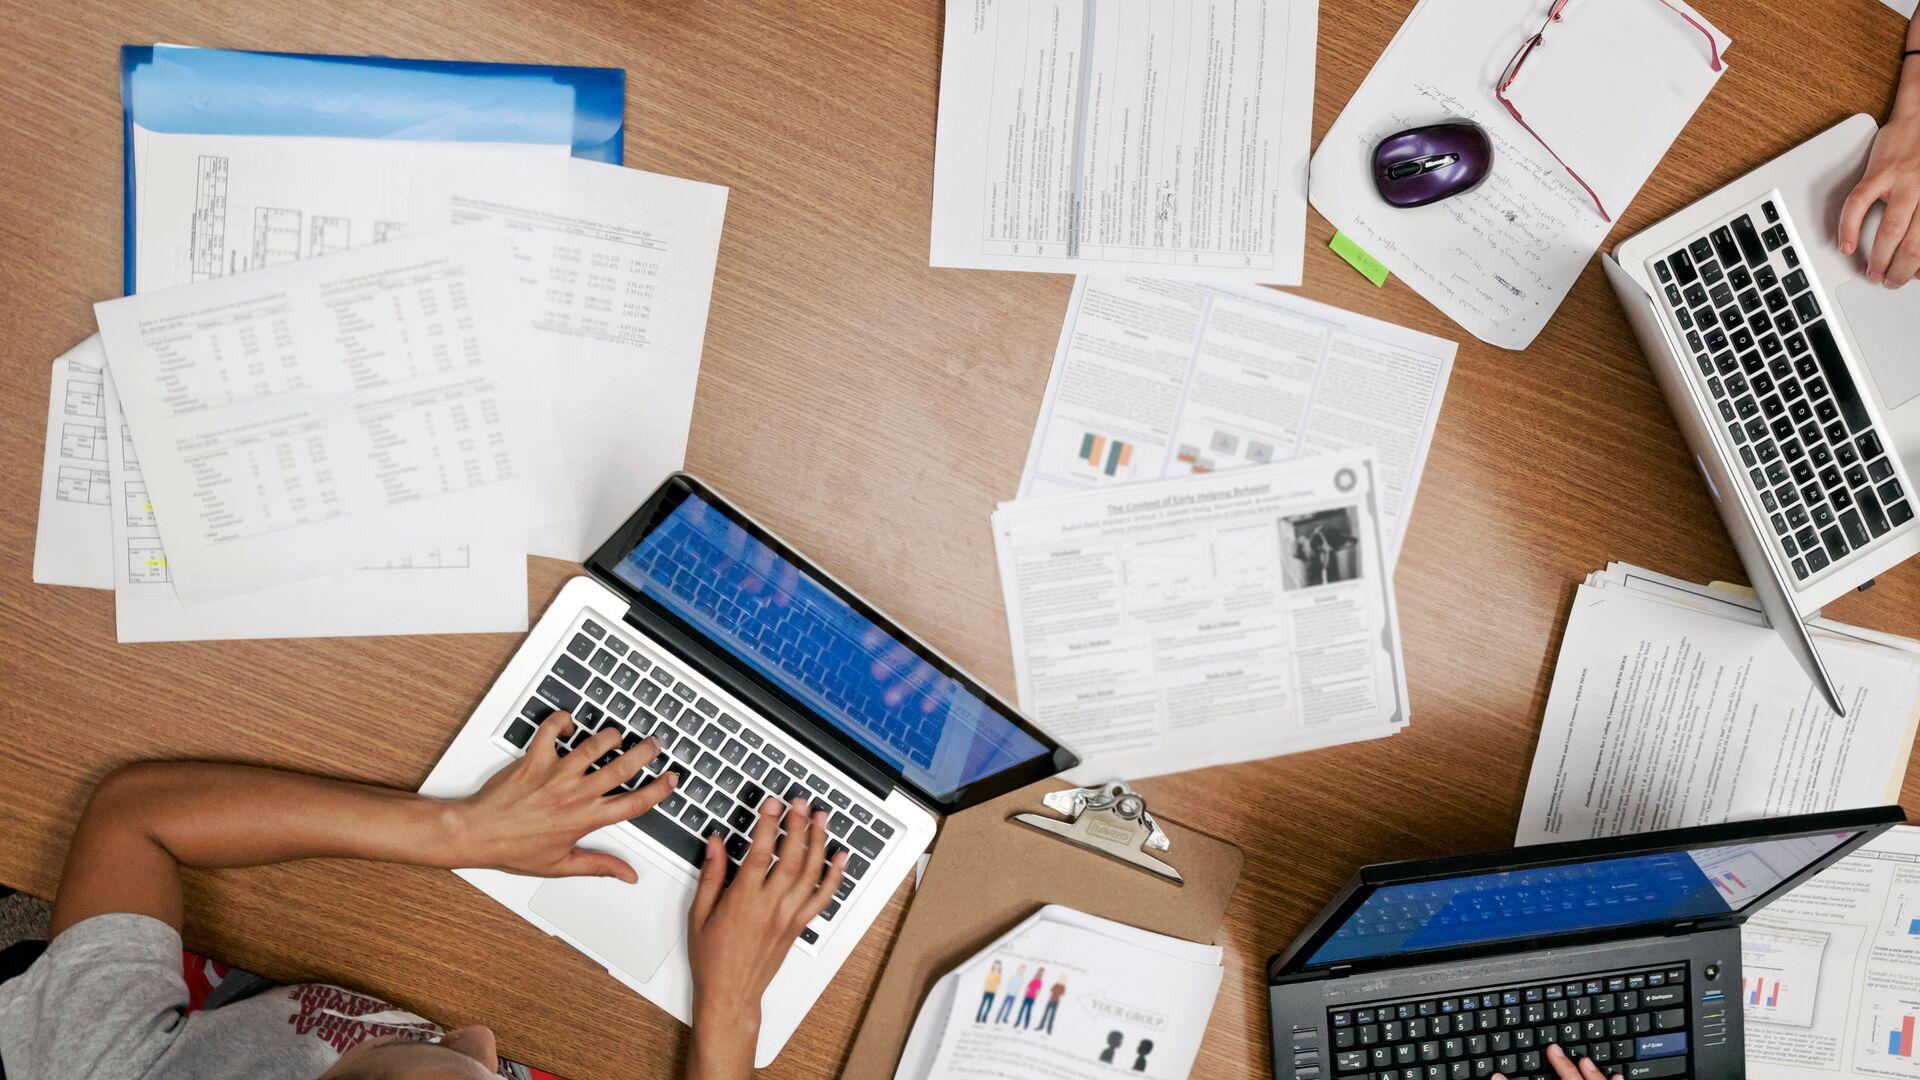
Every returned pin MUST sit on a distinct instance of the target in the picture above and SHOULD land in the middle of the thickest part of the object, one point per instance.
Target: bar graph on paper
(1780, 973)
(1887, 1044)
(1104, 457)
(1902, 926)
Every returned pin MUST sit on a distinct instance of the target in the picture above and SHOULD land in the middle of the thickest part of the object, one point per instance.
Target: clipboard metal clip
(1112, 820)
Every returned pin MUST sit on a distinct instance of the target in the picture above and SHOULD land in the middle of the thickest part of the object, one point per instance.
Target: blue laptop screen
(738, 592)
(1544, 901)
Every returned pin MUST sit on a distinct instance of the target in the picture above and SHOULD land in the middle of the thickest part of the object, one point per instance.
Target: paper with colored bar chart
(1153, 379)
(1205, 619)
(1831, 971)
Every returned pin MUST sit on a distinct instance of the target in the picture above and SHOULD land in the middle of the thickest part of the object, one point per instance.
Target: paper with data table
(1154, 379)
(1499, 259)
(615, 268)
(1831, 971)
(301, 420)
(1160, 137)
(1207, 619)
(1674, 705)
(448, 590)
(71, 541)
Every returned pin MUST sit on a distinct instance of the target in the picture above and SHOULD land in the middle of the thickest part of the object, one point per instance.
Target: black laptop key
(1899, 512)
(536, 710)
(1889, 491)
(1683, 268)
(729, 781)
(796, 790)
(885, 830)
(1710, 272)
(647, 692)
(604, 662)
(695, 818)
(581, 646)
(562, 697)
(1701, 250)
(797, 770)
(857, 865)
(519, 732)
(720, 804)
(734, 752)
(1774, 237)
(818, 783)
(1806, 307)
(669, 707)
(625, 677)
(742, 819)
(755, 766)
(594, 630)
(712, 736)
(708, 765)
(621, 706)
(699, 789)
(599, 691)
(737, 848)
(571, 671)
(1869, 444)
(1844, 392)
(1695, 294)
(839, 823)
(1729, 253)
(1748, 238)
(660, 826)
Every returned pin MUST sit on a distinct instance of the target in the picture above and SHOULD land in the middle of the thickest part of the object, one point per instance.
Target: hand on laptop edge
(738, 935)
(1564, 1068)
(1893, 177)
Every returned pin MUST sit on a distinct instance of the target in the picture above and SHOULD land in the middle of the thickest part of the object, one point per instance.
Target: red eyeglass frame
(1535, 41)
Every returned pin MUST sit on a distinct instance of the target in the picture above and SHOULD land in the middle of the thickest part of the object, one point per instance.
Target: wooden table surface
(873, 411)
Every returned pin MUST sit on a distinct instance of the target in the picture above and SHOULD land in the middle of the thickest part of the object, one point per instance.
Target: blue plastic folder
(220, 92)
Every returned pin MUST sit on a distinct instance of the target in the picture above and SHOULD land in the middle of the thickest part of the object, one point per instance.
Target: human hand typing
(738, 935)
(528, 817)
(1564, 1068)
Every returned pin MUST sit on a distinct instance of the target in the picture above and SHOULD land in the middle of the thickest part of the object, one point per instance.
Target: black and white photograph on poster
(1321, 548)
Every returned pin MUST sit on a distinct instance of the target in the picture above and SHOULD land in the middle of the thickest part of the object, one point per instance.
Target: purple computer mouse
(1426, 164)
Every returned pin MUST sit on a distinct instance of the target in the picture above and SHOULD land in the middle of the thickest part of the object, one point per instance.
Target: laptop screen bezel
(1294, 960)
(719, 663)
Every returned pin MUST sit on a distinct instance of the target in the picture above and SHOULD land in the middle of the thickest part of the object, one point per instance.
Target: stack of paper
(1674, 704)
(1499, 259)
(1067, 996)
(367, 371)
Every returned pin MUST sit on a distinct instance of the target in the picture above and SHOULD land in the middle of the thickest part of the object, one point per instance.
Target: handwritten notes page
(1499, 259)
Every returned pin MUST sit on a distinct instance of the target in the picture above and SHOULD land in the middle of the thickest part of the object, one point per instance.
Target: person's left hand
(528, 817)
(1893, 177)
(1564, 1068)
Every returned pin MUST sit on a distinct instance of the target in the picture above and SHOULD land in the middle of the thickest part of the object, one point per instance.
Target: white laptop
(1796, 383)
(761, 675)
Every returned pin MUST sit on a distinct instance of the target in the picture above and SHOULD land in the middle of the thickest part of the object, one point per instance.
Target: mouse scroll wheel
(1416, 166)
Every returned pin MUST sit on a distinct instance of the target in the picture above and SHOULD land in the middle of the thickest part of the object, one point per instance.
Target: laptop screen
(1600, 894)
(771, 615)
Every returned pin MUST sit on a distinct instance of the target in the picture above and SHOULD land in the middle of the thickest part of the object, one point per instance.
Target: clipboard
(988, 872)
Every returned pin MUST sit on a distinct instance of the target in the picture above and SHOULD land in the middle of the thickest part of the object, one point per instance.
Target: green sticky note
(1368, 266)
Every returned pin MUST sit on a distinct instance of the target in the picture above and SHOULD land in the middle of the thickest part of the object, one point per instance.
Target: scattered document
(1202, 620)
(455, 589)
(1162, 138)
(301, 420)
(1499, 259)
(71, 543)
(616, 266)
(1675, 705)
(1067, 996)
(1153, 379)
(1904, 7)
(1832, 969)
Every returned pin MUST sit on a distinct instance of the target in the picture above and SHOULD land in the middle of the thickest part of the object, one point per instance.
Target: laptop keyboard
(1633, 1024)
(1759, 338)
(727, 763)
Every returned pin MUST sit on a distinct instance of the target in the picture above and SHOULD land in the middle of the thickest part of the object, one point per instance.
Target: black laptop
(1625, 950)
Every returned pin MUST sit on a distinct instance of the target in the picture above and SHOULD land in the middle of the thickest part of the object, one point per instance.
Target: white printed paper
(1154, 379)
(1153, 137)
(616, 267)
(1071, 996)
(300, 420)
(1662, 715)
(1499, 259)
(1839, 960)
(455, 589)
(1203, 620)
(210, 206)
(71, 541)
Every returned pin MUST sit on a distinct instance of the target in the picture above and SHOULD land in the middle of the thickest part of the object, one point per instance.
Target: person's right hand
(1893, 177)
(738, 937)
(528, 817)
(1564, 1068)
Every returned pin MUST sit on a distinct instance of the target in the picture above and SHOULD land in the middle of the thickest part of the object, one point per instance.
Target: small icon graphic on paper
(1345, 479)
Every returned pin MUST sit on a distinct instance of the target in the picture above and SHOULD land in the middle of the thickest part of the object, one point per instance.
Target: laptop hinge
(862, 771)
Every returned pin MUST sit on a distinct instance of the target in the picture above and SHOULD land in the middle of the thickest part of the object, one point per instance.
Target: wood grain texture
(873, 411)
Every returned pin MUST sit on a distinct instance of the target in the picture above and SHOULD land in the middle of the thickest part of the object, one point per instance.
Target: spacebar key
(672, 837)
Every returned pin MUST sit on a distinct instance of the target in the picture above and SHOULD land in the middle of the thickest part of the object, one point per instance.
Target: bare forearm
(723, 1045)
(1907, 96)
(146, 821)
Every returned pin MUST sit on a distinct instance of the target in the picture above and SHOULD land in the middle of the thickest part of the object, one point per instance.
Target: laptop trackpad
(631, 927)
(1885, 321)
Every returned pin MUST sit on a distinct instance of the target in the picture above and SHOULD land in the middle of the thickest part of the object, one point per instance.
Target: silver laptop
(1796, 383)
(760, 675)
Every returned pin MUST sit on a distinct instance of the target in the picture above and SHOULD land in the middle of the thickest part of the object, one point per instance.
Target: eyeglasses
(1539, 39)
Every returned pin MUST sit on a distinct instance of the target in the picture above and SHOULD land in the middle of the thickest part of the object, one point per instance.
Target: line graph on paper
(1243, 552)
